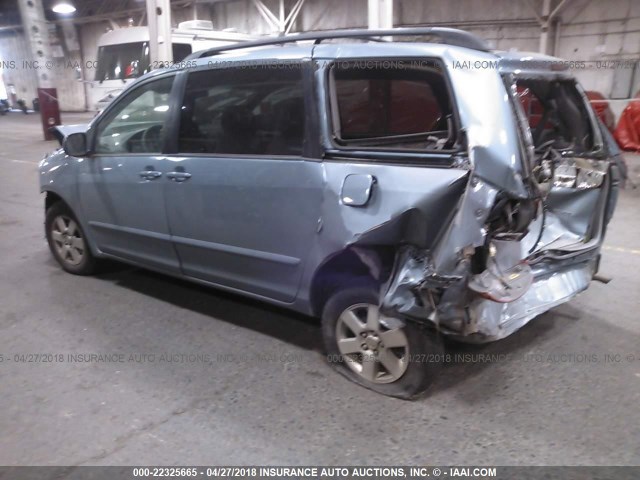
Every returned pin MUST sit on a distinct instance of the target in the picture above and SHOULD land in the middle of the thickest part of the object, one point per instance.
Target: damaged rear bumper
(418, 294)
(488, 320)
(558, 263)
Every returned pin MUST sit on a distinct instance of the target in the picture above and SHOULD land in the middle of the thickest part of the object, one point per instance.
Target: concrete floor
(274, 400)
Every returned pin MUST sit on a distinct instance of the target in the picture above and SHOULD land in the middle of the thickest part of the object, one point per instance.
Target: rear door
(243, 201)
(391, 146)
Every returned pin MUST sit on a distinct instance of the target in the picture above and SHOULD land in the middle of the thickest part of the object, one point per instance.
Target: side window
(180, 50)
(136, 123)
(398, 106)
(251, 111)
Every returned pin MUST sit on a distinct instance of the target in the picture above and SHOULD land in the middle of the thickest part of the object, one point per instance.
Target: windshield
(123, 61)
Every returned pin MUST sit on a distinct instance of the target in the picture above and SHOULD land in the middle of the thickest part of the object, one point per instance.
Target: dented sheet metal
(478, 285)
(489, 320)
(500, 232)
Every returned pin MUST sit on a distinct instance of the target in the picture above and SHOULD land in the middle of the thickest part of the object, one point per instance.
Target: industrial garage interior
(217, 352)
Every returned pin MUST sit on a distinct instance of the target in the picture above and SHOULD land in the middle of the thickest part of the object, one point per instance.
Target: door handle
(179, 176)
(150, 174)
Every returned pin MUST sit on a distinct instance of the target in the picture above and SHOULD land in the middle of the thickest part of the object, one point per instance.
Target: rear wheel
(67, 241)
(385, 354)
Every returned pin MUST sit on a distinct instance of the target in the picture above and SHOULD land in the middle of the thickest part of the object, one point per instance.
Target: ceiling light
(63, 7)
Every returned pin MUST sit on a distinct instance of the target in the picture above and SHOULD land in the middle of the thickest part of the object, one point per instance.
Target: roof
(452, 45)
(339, 51)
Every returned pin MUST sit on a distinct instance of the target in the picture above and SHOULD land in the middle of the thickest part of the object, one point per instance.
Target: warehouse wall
(603, 31)
(588, 30)
(505, 24)
(71, 92)
(330, 14)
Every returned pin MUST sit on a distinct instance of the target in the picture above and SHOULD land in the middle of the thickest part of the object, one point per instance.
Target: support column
(380, 14)
(37, 32)
(544, 27)
(159, 21)
(546, 21)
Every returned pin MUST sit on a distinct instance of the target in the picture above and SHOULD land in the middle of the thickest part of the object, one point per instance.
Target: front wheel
(385, 354)
(67, 241)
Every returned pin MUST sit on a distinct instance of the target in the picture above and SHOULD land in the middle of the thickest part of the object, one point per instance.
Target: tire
(67, 241)
(404, 368)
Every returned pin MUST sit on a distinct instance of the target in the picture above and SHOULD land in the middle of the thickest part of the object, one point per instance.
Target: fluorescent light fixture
(63, 7)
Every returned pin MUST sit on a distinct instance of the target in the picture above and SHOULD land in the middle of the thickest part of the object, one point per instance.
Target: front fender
(57, 176)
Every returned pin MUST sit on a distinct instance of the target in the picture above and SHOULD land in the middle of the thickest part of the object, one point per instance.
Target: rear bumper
(458, 285)
(488, 320)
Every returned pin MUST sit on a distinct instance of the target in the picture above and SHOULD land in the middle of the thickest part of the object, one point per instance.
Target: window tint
(135, 124)
(253, 111)
(402, 107)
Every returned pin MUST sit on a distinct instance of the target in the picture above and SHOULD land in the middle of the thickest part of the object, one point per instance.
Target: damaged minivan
(403, 185)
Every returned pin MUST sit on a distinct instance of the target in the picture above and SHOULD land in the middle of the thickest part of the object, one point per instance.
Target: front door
(121, 183)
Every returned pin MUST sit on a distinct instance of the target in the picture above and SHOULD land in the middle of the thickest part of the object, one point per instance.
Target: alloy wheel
(372, 345)
(67, 240)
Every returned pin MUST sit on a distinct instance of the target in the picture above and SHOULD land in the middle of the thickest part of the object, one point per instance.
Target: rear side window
(395, 106)
(246, 111)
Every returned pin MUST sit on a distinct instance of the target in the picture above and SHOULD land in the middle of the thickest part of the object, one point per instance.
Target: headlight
(579, 173)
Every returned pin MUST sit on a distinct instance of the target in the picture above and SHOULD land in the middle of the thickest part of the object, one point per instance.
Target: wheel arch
(352, 266)
(52, 197)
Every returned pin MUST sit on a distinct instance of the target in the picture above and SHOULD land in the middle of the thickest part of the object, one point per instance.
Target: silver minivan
(402, 191)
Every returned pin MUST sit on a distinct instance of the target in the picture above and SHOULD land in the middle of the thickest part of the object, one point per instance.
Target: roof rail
(450, 36)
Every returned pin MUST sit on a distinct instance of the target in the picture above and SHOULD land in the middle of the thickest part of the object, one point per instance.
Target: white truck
(123, 55)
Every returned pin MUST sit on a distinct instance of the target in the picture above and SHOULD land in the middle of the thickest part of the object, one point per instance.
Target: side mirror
(75, 144)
